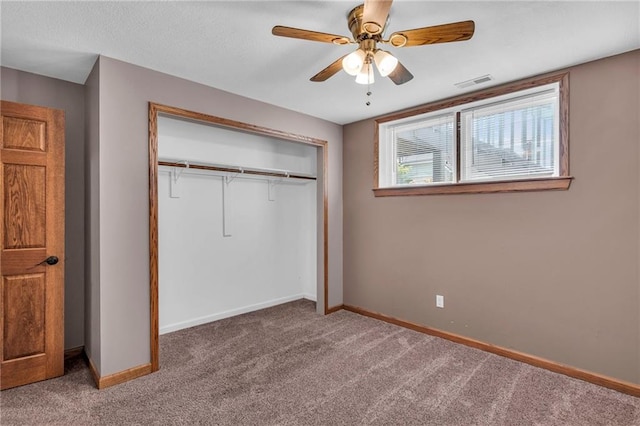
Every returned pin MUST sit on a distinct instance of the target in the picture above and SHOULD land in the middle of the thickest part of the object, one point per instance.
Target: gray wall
(124, 93)
(552, 274)
(27, 88)
(92, 217)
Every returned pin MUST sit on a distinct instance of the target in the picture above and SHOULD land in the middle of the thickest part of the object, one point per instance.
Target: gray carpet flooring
(288, 366)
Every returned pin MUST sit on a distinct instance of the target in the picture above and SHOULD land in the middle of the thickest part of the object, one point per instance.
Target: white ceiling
(228, 45)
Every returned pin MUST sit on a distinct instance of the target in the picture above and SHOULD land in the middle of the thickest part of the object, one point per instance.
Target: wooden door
(32, 244)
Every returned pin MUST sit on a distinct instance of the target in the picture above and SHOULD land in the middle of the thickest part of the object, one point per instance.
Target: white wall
(270, 257)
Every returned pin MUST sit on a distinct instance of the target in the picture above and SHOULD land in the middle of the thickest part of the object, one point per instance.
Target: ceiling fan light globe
(352, 63)
(385, 62)
(365, 76)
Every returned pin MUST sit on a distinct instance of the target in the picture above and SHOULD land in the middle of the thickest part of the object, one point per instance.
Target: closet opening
(237, 219)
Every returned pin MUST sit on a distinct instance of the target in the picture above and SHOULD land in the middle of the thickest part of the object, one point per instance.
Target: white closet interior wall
(271, 255)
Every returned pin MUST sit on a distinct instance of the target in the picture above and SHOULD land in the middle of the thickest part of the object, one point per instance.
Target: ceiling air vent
(474, 81)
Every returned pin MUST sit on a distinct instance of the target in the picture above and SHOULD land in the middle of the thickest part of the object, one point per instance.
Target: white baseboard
(309, 296)
(233, 312)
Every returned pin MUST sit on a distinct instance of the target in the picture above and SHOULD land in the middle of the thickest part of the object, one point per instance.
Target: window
(420, 151)
(507, 139)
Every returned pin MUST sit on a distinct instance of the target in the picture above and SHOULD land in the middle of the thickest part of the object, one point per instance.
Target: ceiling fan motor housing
(364, 30)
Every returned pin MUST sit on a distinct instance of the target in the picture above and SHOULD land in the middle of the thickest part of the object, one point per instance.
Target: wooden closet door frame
(154, 110)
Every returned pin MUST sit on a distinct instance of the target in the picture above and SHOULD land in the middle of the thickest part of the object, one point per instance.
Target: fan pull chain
(368, 94)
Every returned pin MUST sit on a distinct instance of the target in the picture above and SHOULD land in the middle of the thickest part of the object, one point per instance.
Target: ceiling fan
(367, 23)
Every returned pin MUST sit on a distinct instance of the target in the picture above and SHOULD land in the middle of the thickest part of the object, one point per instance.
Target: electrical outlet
(439, 301)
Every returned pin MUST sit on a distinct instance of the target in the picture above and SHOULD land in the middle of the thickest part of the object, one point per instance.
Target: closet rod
(233, 170)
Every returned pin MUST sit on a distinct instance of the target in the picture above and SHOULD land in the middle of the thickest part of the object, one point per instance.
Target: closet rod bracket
(178, 171)
(272, 187)
(229, 178)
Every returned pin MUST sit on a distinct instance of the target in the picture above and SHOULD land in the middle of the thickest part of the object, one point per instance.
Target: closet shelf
(233, 169)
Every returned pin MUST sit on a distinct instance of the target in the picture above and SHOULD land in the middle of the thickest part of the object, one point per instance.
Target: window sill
(547, 184)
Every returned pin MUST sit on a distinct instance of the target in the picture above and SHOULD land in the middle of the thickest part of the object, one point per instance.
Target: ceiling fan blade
(329, 71)
(281, 31)
(456, 31)
(400, 74)
(375, 12)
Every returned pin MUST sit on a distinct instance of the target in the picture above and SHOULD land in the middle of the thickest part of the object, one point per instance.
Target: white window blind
(424, 151)
(511, 139)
